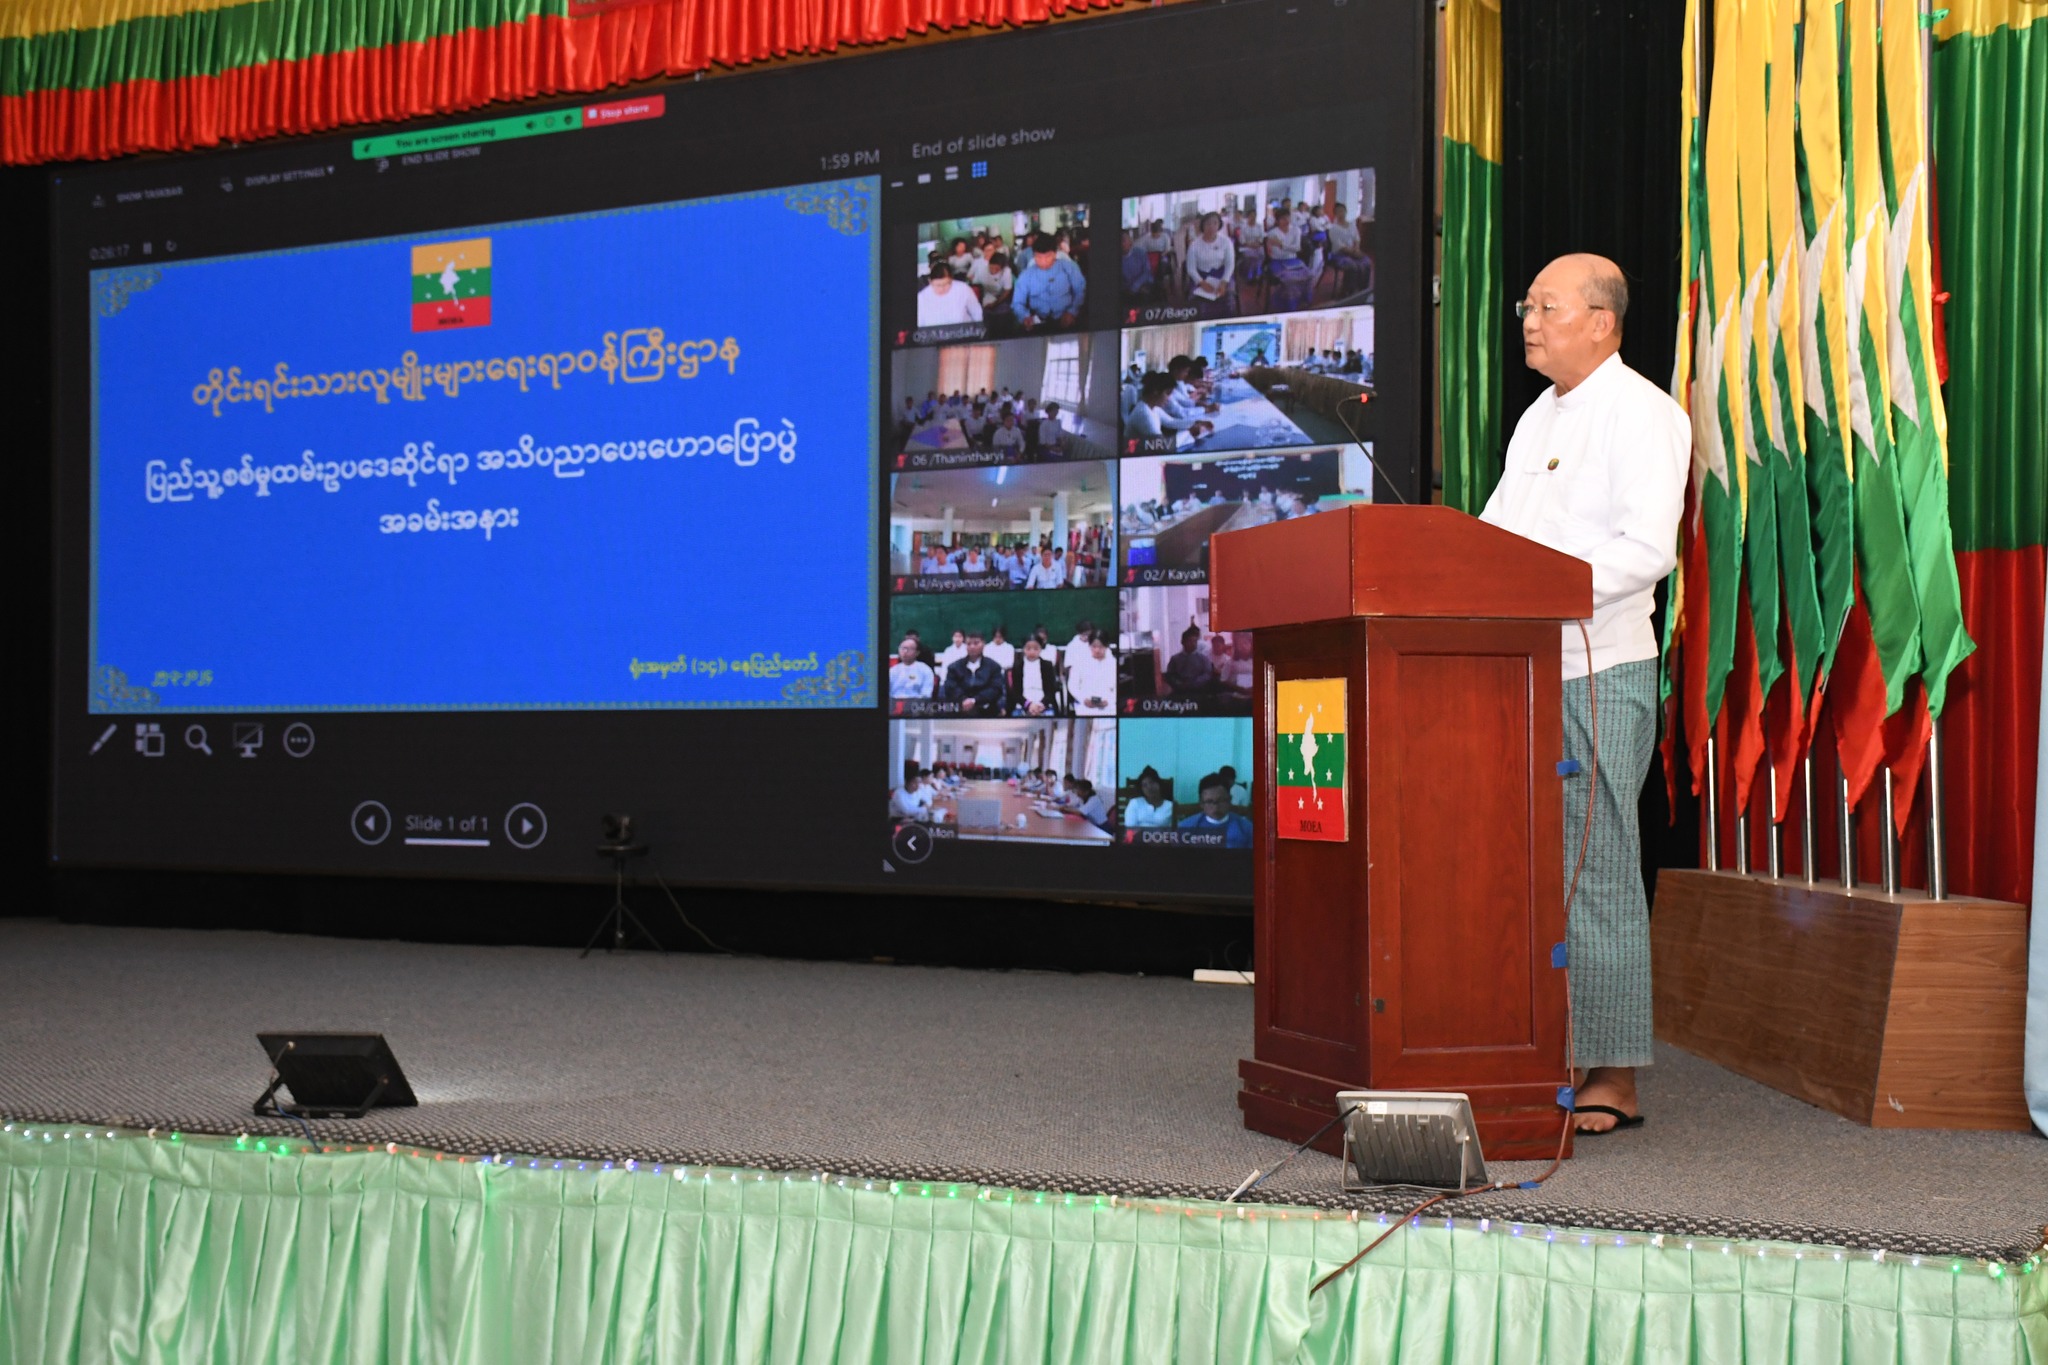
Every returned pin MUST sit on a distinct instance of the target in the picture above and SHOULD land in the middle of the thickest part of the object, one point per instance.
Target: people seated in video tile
(1046, 573)
(1007, 439)
(910, 678)
(1191, 400)
(1094, 809)
(1050, 436)
(952, 653)
(1154, 238)
(1150, 809)
(1034, 682)
(1190, 673)
(912, 800)
(976, 427)
(946, 301)
(1216, 816)
(1141, 279)
(1151, 417)
(1354, 267)
(974, 561)
(1209, 268)
(936, 560)
(1077, 646)
(992, 276)
(999, 647)
(974, 681)
(1091, 679)
(1051, 291)
(1232, 660)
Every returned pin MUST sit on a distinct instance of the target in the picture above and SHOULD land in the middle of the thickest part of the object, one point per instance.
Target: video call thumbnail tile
(1185, 783)
(1019, 273)
(1170, 663)
(1023, 781)
(1005, 402)
(1172, 504)
(1051, 654)
(1266, 246)
(1245, 384)
(1007, 527)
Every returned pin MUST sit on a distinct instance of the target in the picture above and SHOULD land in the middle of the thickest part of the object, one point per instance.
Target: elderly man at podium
(1597, 470)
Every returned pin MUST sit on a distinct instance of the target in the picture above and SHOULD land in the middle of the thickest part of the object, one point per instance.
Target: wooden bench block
(1895, 1011)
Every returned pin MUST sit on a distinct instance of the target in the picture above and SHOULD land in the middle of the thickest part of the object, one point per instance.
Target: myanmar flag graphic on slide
(451, 285)
(1308, 760)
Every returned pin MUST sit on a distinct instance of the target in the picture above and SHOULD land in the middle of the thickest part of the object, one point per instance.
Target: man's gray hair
(1607, 289)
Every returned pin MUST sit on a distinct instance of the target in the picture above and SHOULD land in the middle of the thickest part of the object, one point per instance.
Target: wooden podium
(1423, 952)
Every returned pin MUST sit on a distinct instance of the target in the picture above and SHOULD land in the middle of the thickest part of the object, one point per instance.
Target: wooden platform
(1892, 1010)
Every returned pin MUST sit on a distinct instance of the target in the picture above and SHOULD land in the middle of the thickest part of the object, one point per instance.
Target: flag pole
(1742, 838)
(1774, 851)
(1924, 9)
(1807, 822)
(1937, 833)
(1713, 812)
(1846, 830)
(1888, 846)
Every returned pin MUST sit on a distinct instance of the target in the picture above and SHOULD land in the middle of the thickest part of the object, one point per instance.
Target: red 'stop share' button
(624, 111)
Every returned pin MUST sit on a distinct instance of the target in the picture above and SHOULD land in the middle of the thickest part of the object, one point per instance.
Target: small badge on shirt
(1552, 464)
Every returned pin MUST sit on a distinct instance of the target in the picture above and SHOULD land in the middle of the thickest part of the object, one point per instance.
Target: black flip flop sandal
(1621, 1120)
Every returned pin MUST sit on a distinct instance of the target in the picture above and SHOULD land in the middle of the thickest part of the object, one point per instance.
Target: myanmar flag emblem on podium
(1311, 800)
(451, 285)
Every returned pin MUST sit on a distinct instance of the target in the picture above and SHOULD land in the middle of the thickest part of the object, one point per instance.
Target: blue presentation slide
(614, 460)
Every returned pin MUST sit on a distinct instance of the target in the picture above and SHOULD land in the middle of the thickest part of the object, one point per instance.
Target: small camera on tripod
(619, 845)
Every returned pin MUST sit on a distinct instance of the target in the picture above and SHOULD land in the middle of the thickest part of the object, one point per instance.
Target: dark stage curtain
(1590, 157)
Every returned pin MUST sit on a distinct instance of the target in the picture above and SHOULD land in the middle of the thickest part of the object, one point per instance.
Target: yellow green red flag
(1310, 793)
(451, 285)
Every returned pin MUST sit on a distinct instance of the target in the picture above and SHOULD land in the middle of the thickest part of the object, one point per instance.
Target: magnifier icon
(195, 738)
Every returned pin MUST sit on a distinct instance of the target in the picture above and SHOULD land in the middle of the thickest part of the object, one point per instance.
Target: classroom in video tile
(1185, 782)
(1022, 781)
(1005, 402)
(1172, 504)
(1007, 527)
(1246, 383)
(1019, 273)
(1265, 246)
(1047, 654)
(1170, 663)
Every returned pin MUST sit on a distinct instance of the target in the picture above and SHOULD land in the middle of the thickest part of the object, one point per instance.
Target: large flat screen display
(818, 465)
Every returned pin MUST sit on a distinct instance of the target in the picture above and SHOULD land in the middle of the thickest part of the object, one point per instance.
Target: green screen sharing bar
(506, 129)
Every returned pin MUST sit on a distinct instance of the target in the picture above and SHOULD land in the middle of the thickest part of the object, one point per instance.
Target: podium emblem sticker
(1311, 796)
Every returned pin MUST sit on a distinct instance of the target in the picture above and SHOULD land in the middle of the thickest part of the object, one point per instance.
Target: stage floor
(1102, 1084)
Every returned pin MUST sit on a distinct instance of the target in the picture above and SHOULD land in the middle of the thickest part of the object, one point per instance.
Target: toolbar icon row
(245, 737)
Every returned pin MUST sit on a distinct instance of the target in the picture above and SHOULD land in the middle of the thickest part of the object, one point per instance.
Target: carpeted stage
(1086, 1084)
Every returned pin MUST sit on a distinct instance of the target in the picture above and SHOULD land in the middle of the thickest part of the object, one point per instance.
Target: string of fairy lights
(990, 1194)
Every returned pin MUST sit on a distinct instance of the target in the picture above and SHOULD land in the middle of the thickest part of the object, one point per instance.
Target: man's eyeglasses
(1528, 306)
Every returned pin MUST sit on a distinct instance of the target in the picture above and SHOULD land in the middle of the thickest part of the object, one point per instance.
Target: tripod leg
(644, 932)
(619, 911)
(597, 934)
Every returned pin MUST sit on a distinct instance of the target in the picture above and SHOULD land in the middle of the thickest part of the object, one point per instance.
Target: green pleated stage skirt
(130, 1248)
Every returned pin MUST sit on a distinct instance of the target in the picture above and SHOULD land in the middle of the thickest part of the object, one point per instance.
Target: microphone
(1356, 440)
